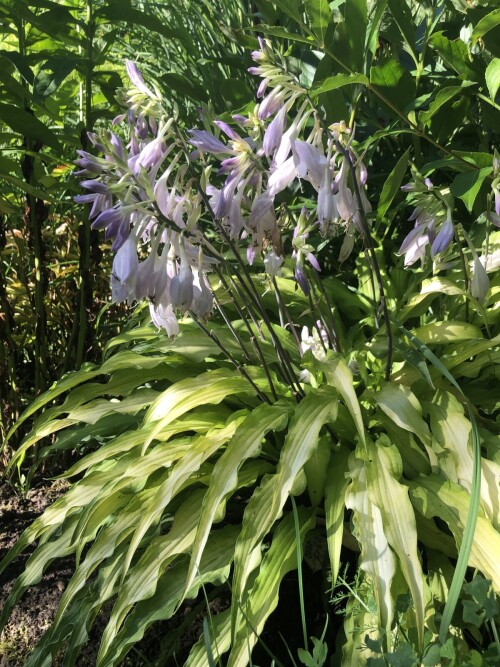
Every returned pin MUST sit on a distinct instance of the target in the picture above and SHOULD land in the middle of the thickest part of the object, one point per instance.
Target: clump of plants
(325, 369)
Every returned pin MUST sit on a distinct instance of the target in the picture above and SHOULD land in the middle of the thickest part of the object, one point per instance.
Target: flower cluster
(148, 194)
(433, 221)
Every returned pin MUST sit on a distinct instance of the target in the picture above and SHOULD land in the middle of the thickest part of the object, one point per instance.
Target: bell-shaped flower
(181, 285)
(203, 300)
(163, 317)
(272, 264)
(480, 283)
(274, 132)
(281, 177)
(444, 237)
(124, 272)
(309, 162)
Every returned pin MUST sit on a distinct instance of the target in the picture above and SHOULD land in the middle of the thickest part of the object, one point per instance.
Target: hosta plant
(319, 391)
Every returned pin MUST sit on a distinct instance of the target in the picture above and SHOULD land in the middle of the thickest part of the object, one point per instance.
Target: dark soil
(33, 614)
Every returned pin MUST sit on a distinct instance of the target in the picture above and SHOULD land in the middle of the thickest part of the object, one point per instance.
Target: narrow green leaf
(486, 24)
(246, 443)
(266, 504)
(392, 184)
(26, 124)
(319, 15)
(391, 497)
(443, 96)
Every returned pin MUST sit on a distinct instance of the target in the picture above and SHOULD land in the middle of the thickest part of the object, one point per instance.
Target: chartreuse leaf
(266, 504)
(401, 405)
(200, 422)
(384, 470)
(200, 450)
(208, 388)
(377, 558)
(246, 443)
(142, 579)
(338, 375)
(334, 507)
(451, 432)
(214, 568)
(470, 520)
(440, 333)
(262, 599)
(435, 496)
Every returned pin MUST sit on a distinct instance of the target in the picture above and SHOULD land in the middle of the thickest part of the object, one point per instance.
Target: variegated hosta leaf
(436, 496)
(402, 406)
(185, 469)
(335, 490)
(262, 599)
(214, 568)
(451, 436)
(142, 579)
(246, 443)
(338, 375)
(384, 470)
(377, 558)
(208, 388)
(266, 504)
(220, 641)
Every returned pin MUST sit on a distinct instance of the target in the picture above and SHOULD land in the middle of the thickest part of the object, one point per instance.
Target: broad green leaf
(455, 53)
(246, 443)
(492, 76)
(443, 96)
(263, 597)
(395, 82)
(350, 35)
(316, 470)
(435, 496)
(319, 15)
(486, 24)
(466, 186)
(439, 333)
(384, 470)
(335, 490)
(377, 558)
(392, 184)
(266, 504)
(439, 285)
(338, 81)
(401, 405)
